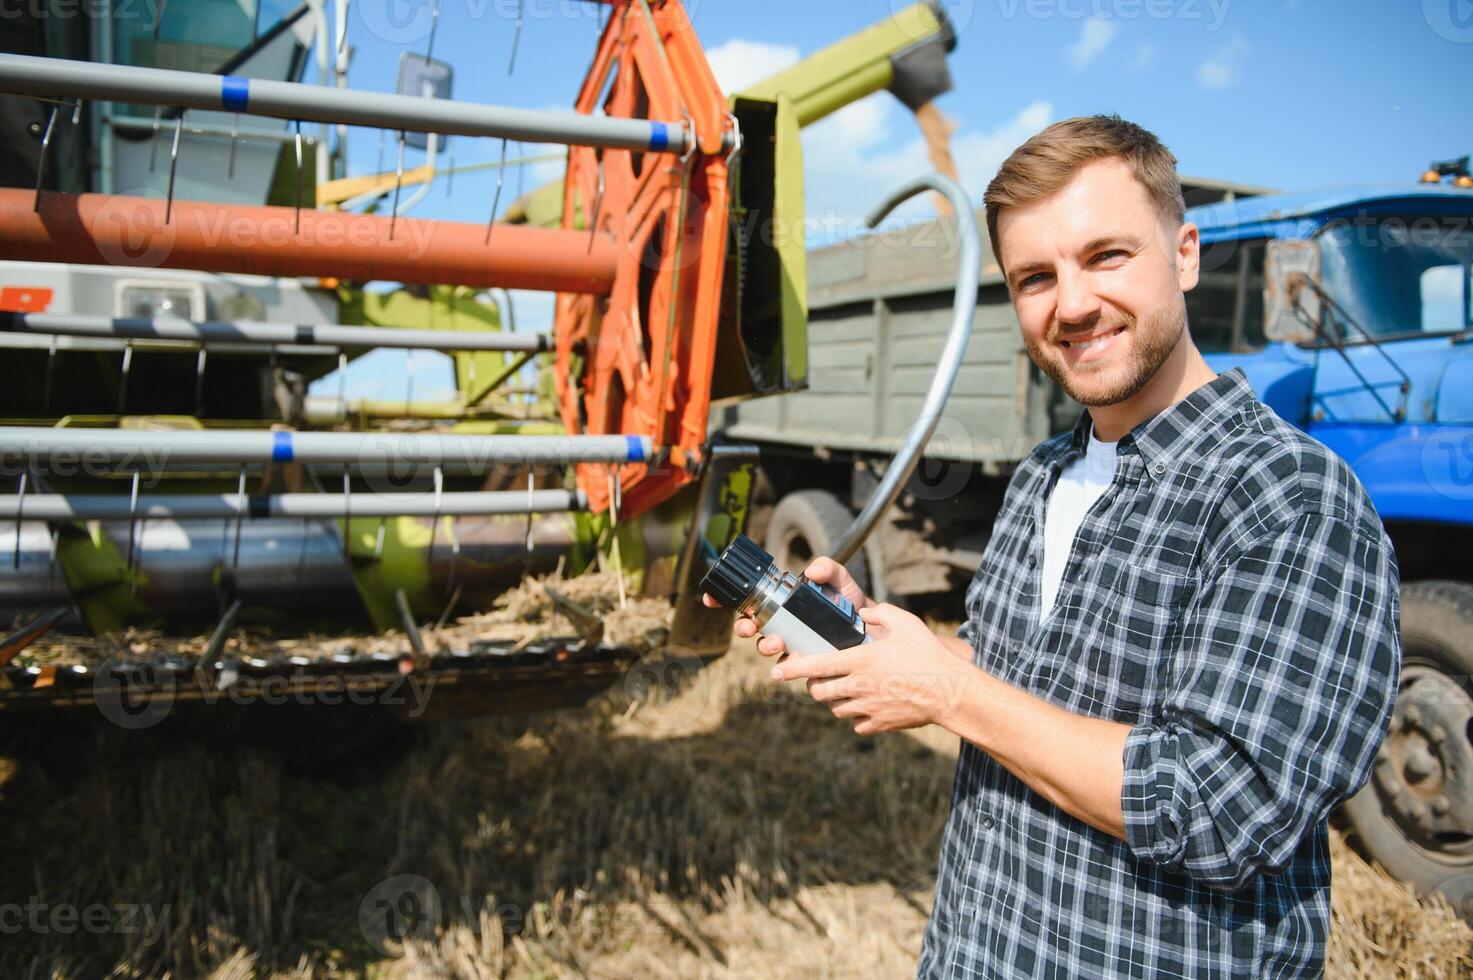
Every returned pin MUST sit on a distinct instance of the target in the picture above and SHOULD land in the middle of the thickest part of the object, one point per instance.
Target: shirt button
(1032, 560)
(988, 823)
(1159, 468)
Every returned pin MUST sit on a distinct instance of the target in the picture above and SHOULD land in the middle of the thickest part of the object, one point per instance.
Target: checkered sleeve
(1282, 684)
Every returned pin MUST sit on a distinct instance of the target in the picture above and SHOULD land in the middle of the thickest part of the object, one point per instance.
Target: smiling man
(1180, 649)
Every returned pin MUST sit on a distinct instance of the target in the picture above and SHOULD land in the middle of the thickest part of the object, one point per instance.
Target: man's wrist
(960, 682)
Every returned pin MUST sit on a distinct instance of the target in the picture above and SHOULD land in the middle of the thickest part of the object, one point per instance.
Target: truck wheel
(806, 524)
(1415, 814)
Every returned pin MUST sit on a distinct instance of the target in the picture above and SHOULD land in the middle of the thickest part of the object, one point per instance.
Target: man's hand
(821, 571)
(907, 679)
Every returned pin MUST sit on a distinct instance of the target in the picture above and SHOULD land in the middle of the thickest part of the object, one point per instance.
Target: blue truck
(1350, 315)
(1349, 311)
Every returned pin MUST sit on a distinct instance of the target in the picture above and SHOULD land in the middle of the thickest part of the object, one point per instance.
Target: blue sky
(1292, 94)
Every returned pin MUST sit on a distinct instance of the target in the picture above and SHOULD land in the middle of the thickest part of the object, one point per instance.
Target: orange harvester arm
(639, 360)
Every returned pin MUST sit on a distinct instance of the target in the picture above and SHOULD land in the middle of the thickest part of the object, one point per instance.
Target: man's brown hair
(1049, 160)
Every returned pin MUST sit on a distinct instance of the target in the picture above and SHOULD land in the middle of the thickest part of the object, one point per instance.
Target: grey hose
(963, 304)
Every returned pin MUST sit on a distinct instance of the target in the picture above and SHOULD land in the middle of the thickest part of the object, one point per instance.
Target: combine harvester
(165, 468)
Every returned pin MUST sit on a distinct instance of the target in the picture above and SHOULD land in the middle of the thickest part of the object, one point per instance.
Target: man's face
(1097, 282)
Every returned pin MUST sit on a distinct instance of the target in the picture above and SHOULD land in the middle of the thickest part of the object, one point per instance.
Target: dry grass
(730, 831)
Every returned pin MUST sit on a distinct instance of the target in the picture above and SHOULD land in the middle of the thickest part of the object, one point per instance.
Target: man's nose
(1076, 304)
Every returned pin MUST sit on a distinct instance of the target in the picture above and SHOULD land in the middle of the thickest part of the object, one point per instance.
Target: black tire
(1422, 783)
(806, 524)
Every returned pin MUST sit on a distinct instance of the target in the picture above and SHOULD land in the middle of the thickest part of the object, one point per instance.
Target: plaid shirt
(1232, 597)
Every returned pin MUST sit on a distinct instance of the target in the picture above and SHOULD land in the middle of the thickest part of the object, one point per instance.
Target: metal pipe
(57, 77)
(211, 332)
(964, 304)
(96, 229)
(140, 447)
(230, 506)
(293, 568)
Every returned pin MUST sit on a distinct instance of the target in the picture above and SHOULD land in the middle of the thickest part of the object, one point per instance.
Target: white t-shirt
(1080, 484)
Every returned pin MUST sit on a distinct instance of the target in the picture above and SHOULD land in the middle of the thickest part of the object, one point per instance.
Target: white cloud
(851, 163)
(857, 125)
(1094, 36)
(739, 63)
(1220, 70)
(1145, 53)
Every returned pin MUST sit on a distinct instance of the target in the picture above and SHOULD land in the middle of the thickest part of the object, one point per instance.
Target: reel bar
(210, 332)
(141, 448)
(230, 506)
(53, 78)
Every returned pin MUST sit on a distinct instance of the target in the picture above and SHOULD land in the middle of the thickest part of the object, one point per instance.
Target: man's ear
(1188, 256)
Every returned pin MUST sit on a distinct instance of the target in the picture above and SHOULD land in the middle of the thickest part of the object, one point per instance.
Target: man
(1181, 646)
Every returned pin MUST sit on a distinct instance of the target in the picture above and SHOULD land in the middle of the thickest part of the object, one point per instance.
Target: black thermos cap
(737, 572)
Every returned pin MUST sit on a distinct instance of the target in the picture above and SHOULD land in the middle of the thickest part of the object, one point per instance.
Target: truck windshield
(1400, 275)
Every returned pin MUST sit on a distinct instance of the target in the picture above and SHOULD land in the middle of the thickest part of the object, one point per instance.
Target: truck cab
(1349, 312)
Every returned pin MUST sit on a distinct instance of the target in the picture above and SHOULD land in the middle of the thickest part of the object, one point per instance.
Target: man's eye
(1033, 280)
(1110, 255)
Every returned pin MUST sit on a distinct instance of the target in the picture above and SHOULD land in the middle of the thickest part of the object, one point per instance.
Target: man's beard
(1151, 342)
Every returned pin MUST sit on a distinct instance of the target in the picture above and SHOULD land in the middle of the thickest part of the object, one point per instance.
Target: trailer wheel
(806, 524)
(1415, 814)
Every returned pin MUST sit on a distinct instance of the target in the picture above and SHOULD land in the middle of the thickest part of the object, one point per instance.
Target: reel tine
(527, 550)
(199, 381)
(614, 553)
(450, 170)
(299, 176)
(173, 166)
(132, 532)
(20, 505)
(496, 200)
(347, 514)
(50, 372)
(516, 39)
(240, 515)
(435, 521)
(398, 183)
(234, 140)
(127, 369)
(598, 200)
(408, 381)
(41, 163)
(153, 148)
(434, 26)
